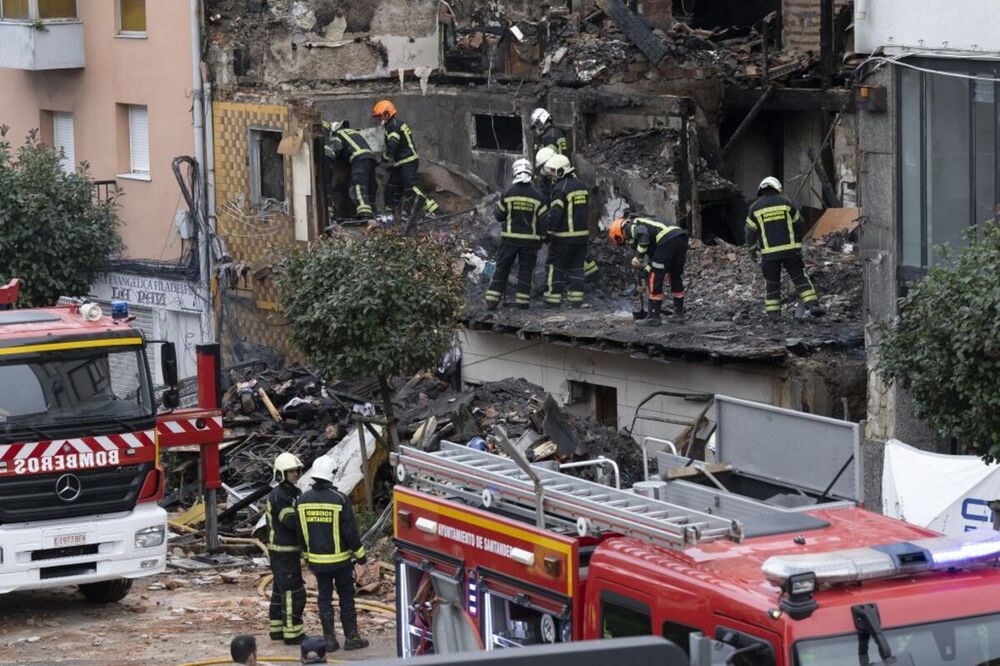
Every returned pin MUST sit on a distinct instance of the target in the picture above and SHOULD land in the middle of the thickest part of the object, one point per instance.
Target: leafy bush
(945, 348)
(54, 235)
(375, 305)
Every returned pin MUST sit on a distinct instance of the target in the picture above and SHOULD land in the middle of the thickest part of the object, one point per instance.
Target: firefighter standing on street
(331, 545)
(774, 227)
(568, 228)
(546, 134)
(665, 246)
(288, 592)
(403, 159)
(519, 210)
(346, 144)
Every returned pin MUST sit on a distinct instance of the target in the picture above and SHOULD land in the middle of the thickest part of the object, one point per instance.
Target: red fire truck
(493, 552)
(79, 448)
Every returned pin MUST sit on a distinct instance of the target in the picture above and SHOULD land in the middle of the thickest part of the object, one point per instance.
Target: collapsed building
(671, 109)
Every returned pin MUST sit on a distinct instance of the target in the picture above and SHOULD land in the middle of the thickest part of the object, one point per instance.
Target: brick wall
(801, 23)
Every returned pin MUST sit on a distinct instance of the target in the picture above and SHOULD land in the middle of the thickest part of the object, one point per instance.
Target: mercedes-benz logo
(68, 487)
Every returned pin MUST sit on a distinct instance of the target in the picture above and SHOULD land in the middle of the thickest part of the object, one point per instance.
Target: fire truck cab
(79, 451)
(493, 552)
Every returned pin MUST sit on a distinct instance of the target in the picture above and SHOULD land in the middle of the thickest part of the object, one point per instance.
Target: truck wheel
(107, 591)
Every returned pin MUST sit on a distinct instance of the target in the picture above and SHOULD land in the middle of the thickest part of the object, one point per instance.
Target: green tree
(375, 305)
(945, 348)
(54, 235)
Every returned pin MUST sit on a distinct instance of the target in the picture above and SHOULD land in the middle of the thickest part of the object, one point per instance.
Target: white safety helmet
(540, 118)
(558, 166)
(285, 462)
(324, 469)
(772, 183)
(542, 156)
(521, 169)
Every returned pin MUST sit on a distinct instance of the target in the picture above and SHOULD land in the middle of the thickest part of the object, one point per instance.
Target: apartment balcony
(39, 35)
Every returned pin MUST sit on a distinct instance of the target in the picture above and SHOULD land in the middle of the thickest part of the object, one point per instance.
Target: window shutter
(64, 136)
(138, 135)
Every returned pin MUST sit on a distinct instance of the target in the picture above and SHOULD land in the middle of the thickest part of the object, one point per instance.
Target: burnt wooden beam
(787, 99)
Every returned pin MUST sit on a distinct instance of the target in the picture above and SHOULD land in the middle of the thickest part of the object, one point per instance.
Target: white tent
(945, 493)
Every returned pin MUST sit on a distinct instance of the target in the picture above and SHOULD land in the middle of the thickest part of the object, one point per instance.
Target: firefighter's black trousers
(525, 254)
(402, 188)
(363, 187)
(796, 270)
(339, 576)
(667, 264)
(564, 272)
(288, 596)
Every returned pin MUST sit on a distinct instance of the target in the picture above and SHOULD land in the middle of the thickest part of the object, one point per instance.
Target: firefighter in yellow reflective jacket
(331, 545)
(519, 211)
(568, 229)
(288, 592)
(347, 145)
(544, 184)
(404, 161)
(665, 246)
(774, 227)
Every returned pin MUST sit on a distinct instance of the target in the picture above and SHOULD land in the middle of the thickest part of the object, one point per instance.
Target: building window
(267, 169)
(15, 9)
(502, 133)
(132, 17)
(138, 140)
(56, 9)
(64, 139)
(948, 147)
(595, 401)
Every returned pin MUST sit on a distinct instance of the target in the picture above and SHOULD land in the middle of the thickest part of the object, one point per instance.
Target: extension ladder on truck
(569, 503)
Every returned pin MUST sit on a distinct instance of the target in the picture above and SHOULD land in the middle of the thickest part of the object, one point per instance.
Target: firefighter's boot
(816, 310)
(679, 315)
(329, 632)
(352, 639)
(654, 317)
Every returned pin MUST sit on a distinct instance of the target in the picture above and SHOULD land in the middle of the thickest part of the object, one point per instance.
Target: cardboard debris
(834, 220)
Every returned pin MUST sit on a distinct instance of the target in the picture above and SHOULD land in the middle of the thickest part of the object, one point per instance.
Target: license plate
(63, 540)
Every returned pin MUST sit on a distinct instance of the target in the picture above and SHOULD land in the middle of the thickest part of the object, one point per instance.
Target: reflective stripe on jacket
(568, 217)
(355, 146)
(520, 209)
(282, 527)
(399, 146)
(646, 233)
(774, 226)
(329, 530)
(555, 139)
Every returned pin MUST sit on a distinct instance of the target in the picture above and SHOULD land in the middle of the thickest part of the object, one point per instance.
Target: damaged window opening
(267, 168)
(594, 401)
(501, 133)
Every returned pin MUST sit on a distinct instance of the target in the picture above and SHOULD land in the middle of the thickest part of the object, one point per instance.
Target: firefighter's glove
(755, 256)
(636, 262)
(362, 560)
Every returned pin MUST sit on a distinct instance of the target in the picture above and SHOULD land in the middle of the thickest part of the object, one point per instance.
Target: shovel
(639, 310)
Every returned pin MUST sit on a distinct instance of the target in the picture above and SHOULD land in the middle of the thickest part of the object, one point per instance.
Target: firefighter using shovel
(664, 246)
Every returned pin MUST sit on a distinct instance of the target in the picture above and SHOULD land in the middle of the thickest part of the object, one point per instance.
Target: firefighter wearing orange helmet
(404, 161)
(665, 247)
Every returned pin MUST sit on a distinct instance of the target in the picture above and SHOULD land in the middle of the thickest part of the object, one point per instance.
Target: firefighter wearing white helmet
(288, 592)
(519, 212)
(331, 544)
(546, 134)
(544, 185)
(567, 224)
(775, 229)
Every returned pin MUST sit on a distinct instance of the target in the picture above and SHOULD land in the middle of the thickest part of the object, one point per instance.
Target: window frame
(254, 164)
(68, 162)
(626, 603)
(908, 272)
(35, 14)
(132, 173)
(130, 34)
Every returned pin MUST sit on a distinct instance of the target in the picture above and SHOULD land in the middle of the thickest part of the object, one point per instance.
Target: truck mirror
(171, 399)
(168, 364)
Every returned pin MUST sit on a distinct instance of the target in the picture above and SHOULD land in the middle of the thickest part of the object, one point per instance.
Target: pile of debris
(649, 154)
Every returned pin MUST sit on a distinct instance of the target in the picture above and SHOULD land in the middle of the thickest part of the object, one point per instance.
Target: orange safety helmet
(384, 109)
(617, 231)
